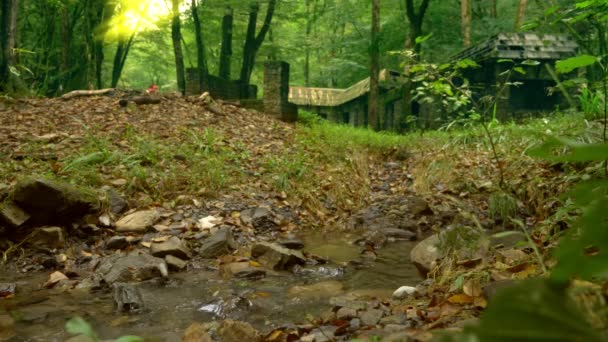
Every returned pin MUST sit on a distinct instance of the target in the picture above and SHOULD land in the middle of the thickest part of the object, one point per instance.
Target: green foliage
(502, 206)
(533, 310)
(567, 65)
(78, 326)
(591, 103)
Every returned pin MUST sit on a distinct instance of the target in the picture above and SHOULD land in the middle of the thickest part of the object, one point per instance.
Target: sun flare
(131, 16)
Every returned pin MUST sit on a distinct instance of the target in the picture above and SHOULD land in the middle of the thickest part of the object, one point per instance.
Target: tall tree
(465, 21)
(253, 41)
(374, 103)
(415, 20)
(521, 13)
(8, 43)
(226, 50)
(494, 9)
(176, 37)
(201, 59)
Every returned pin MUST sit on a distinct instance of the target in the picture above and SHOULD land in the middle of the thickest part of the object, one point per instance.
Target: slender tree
(226, 50)
(176, 36)
(201, 59)
(494, 9)
(8, 43)
(521, 13)
(253, 41)
(465, 20)
(415, 18)
(373, 108)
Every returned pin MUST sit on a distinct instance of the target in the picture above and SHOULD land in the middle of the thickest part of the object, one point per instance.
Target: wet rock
(218, 244)
(174, 246)
(355, 323)
(47, 237)
(277, 257)
(175, 263)
(117, 242)
(196, 332)
(425, 253)
(400, 234)
(371, 316)
(138, 221)
(418, 206)
(323, 289)
(507, 240)
(235, 331)
(292, 244)
(133, 267)
(50, 201)
(12, 215)
(241, 270)
(259, 218)
(116, 202)
(393, 328)
(221, 308)
(7, 289)
(324, 333)
(404, 292)
(127, 298)
(346, 313)
(319, 271)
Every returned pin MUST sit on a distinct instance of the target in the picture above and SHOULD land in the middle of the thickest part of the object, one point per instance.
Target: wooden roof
(332, 97)
(522, 46)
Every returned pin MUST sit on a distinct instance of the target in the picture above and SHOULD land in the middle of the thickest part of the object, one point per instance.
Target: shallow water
(173, 306)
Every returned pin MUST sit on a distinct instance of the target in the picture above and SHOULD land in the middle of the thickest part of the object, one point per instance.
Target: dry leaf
(472, 287)
(208, 222)
(54, 278)
(460, 299)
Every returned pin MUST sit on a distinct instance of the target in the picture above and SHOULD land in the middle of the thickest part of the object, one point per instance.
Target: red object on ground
(153, 89)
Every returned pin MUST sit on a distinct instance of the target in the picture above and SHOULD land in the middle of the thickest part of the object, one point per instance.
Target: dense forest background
(62, 45)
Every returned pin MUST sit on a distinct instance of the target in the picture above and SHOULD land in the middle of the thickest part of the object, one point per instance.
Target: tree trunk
(201, 60)
(465, 21)
(307, 46)
(176, 36)
(374, 103)
(494, 9)
(8, 44)
(226, 51)
(415, 19)
(521, 13)
(253, 42)
(118, 58)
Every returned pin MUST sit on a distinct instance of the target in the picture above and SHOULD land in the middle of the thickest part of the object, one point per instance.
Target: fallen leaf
(54, 278)
(472, 287)
(208, 222)
(460, 299)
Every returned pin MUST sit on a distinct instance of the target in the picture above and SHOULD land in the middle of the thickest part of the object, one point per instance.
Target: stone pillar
(276, 91)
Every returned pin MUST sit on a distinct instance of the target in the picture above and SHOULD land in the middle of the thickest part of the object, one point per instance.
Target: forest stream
(198, 295)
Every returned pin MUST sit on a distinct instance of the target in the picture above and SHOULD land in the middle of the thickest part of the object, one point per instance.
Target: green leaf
(520, 70)
(78, 326)
(567, 65)
(422, 39)
(576, 152)
(534, 310)
(466, 63)
(530, 62)
(130, 338)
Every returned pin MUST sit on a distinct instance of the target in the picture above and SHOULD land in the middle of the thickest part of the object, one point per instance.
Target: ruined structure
(276, 91)
(350, 105)
(532, 94)
(219, 87)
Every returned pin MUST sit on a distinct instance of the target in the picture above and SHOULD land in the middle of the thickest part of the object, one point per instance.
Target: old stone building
(350, 105)
(533, 93)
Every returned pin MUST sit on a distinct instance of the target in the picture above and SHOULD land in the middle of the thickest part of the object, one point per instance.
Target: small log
(81, 93)
(139, 100)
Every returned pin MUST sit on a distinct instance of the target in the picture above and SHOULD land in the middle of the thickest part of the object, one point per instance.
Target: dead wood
(80, 93)
(140, 100)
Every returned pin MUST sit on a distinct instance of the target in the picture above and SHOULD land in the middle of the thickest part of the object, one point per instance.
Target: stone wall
(276, 91)
(219, 87)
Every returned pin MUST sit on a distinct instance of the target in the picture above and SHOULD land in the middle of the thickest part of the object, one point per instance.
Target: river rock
(116, 202)
(346, 313)
(371, 316)
(404, 292)
(138, 221)
(47, 237)
(400, 234)
(218, 244)
(7, 289)
(49, 201)
(418, 206)
(241, 270)
(174, 246)
(127, 298)
(425, 253)
(117, 242)
(133, 267)
(236, 331)
(292, 244)
(175, 263)
(323, 289)
(277, 257)
(259, 218)
(12, 215)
